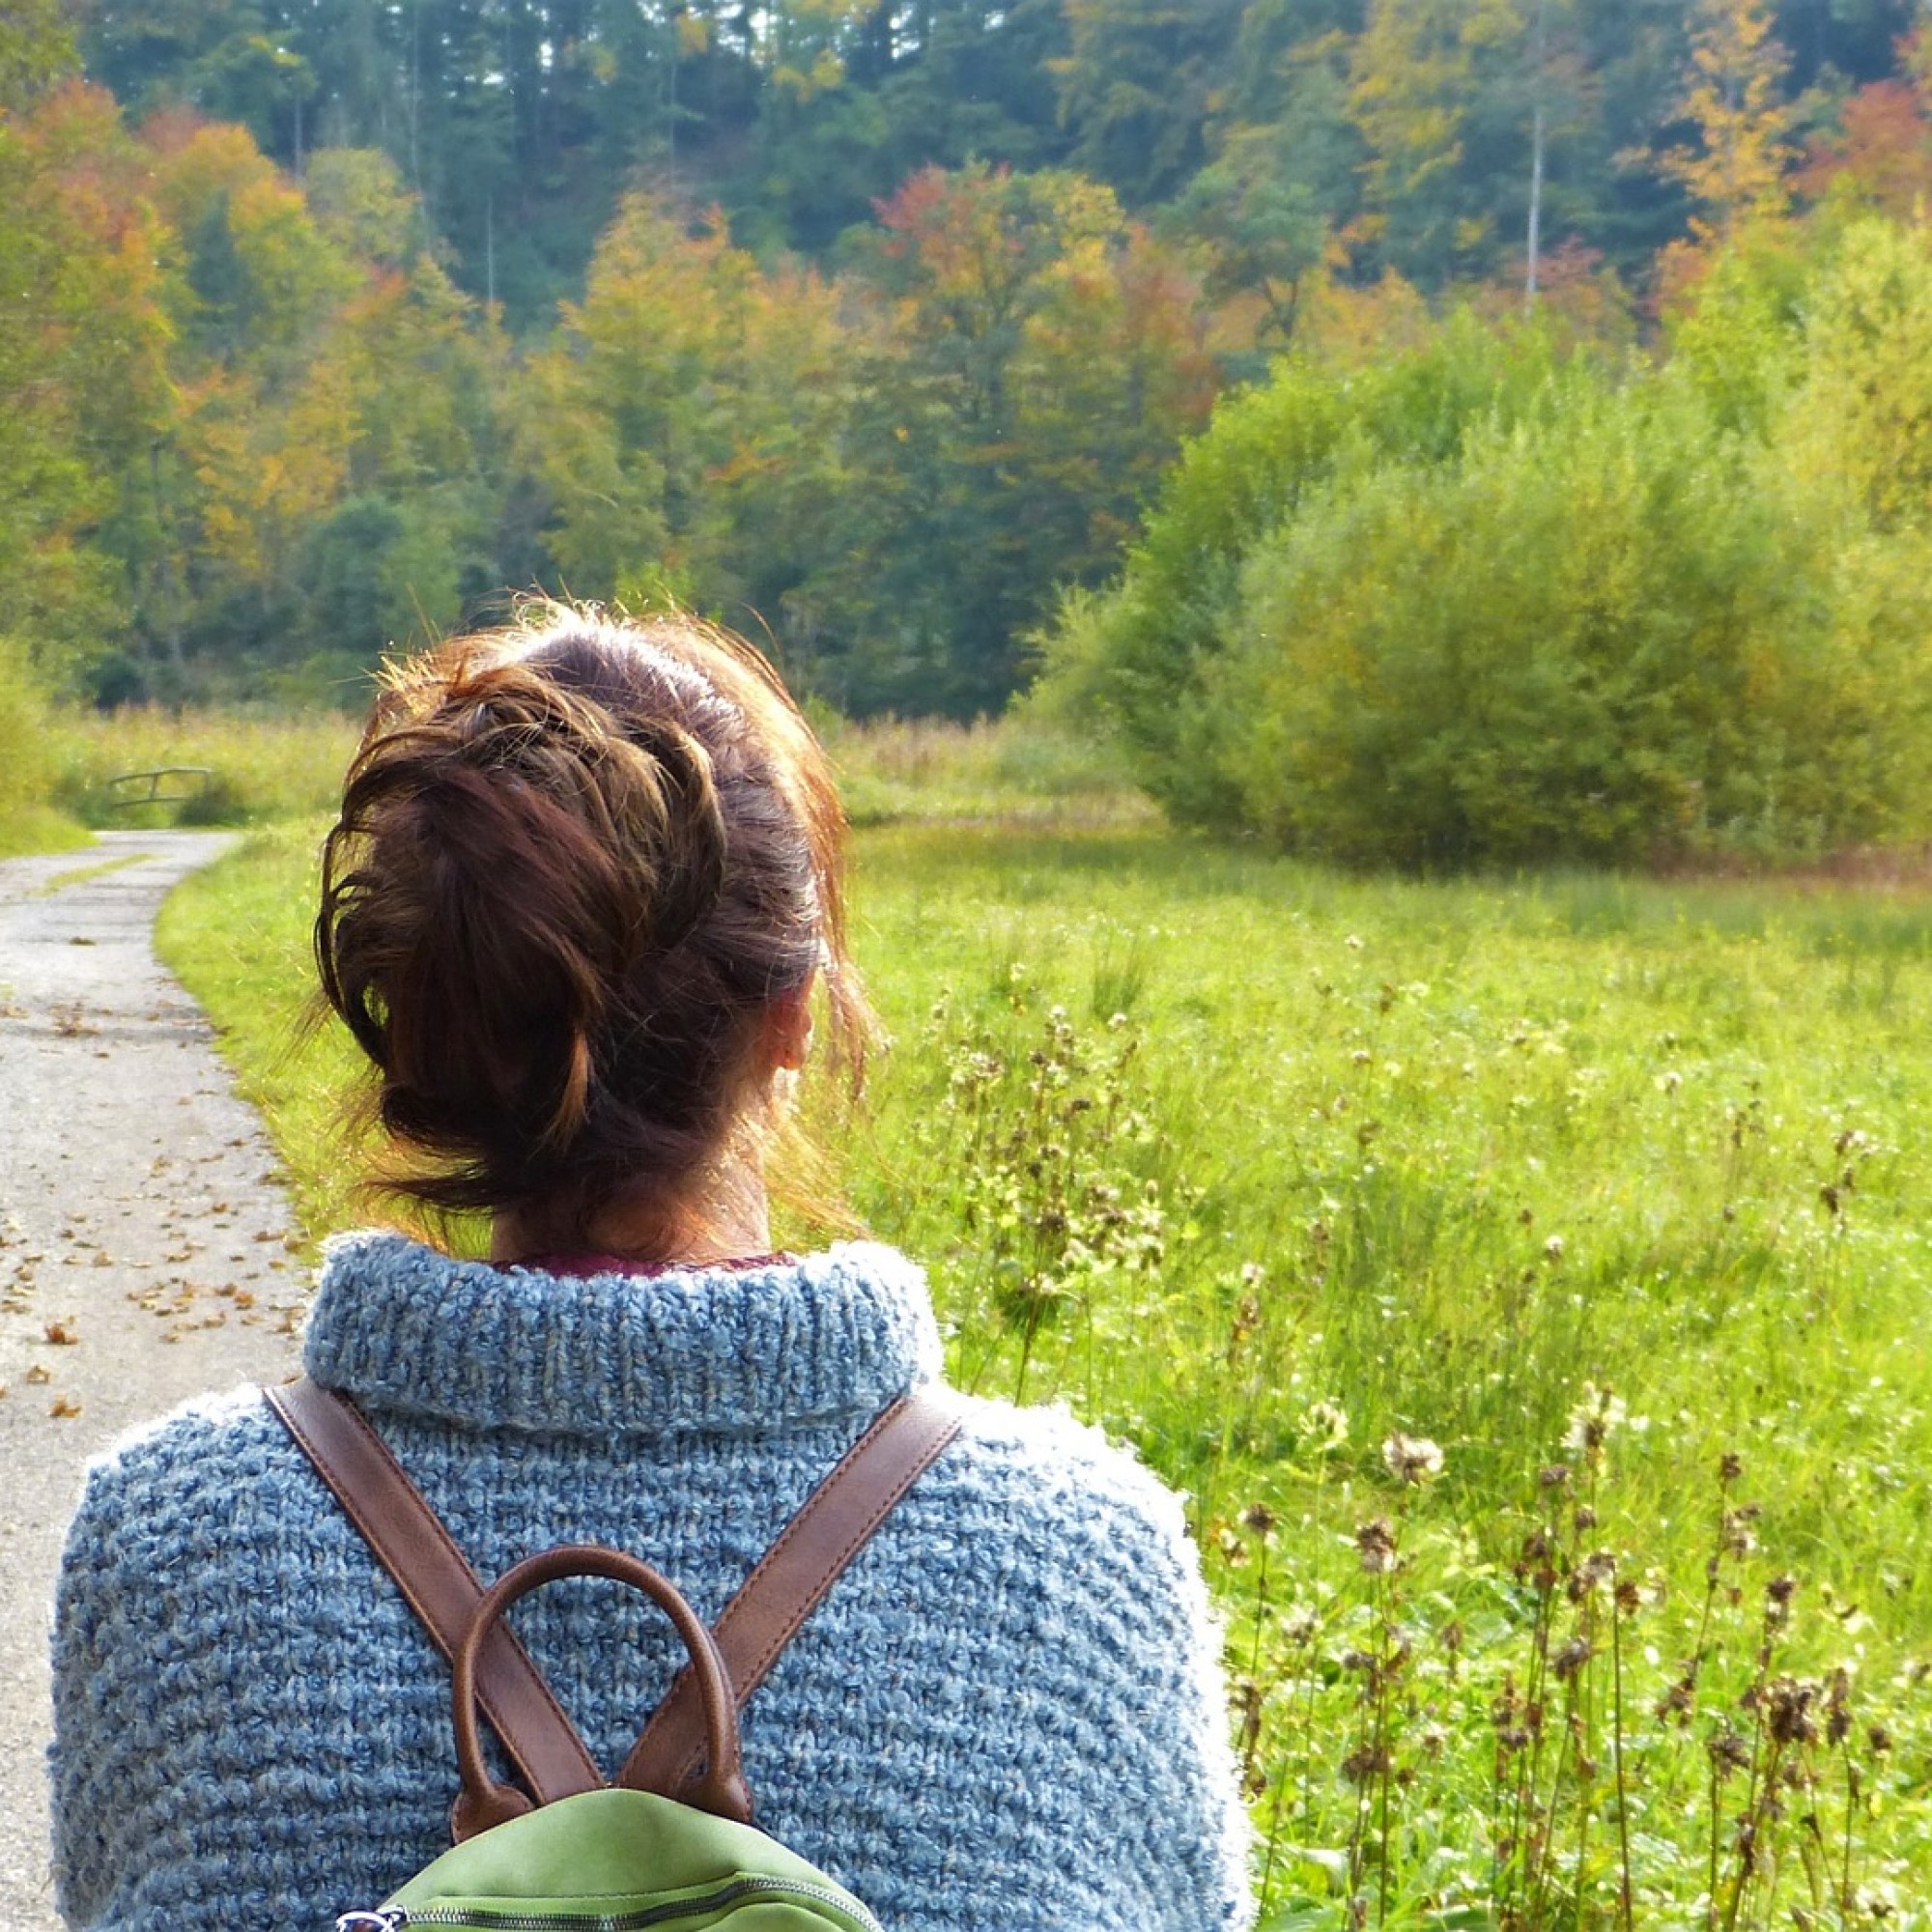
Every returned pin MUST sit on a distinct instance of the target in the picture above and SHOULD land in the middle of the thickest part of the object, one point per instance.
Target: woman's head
(585, 876)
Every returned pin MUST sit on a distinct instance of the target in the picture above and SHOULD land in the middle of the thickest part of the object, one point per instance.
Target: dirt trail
(143, 1242)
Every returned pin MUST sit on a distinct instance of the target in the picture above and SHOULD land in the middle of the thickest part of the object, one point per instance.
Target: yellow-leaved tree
(1738, 171)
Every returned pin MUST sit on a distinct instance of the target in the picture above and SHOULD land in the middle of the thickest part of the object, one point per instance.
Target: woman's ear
(788, 1030)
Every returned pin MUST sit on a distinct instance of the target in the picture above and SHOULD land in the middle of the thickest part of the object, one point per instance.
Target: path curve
(145, 1242)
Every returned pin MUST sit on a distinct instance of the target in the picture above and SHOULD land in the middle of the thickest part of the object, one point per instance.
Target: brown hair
(577, 865)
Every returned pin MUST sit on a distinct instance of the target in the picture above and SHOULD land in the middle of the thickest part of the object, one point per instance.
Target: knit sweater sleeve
(1118, 1714)
(158, 1760)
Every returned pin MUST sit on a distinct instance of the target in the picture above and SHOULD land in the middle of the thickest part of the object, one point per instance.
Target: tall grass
(253, 768)
(1011, 771)
(1272, 1171)
(28, 822)
(243, 768)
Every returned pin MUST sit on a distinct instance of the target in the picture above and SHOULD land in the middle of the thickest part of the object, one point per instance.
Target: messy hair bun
(577, 865)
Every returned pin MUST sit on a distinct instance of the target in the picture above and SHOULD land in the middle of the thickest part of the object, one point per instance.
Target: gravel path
(144, 1242)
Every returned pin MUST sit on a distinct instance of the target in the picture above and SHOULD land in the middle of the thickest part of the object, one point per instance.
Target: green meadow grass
(1280, 1174)
(39, 828)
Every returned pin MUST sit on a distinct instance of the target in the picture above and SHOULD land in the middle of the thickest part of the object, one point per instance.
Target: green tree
(1137, 86)
(1608, 634)
(1860, 412)
(1423, 75)
(81, 372)
(36, 50)
(1142, 659)
(1036, 363)
(1270, 202)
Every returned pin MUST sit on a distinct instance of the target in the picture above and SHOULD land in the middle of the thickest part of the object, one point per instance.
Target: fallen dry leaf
(63, 1405)
(62, 1334)
(38, 1374)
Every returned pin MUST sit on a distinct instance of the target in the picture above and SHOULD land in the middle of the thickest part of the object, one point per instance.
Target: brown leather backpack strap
(791, 1580)
(436, 1579)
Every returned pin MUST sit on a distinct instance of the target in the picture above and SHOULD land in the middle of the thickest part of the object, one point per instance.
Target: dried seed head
(1328, 1424)
(1376, 1541)
(1838, 1707)
(1552, 1476)
(1787, 1714)
(1411, 1458)
(1739, 1540)
(1369, 1761)
(1247, 1697)
(1597, 1570)
(1728, 1752)
(1257, 1519)
(1731, 1468)
(1571, 1658)
(1507, 1704)
(1594, 1420)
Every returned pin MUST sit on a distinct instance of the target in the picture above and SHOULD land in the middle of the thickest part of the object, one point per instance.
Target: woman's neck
(730, 1221)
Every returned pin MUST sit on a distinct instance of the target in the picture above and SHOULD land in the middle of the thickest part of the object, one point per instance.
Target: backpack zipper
(397, 1918)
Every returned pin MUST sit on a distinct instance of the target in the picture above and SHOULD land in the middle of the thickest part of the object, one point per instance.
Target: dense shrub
(1140, 655)
(1616, 636)
(1488, 604)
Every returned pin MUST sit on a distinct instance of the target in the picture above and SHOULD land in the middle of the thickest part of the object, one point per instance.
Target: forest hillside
(872, 328)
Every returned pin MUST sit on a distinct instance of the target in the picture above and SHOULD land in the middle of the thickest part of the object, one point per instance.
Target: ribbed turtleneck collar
(410, 1330)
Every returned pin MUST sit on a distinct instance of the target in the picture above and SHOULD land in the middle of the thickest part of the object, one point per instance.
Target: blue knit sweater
(1006, 1713)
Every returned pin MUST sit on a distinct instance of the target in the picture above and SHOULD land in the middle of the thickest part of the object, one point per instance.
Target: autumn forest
(872, 328)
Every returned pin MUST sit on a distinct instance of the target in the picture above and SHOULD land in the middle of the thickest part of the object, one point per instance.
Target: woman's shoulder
(197, 1458)
(1051, 1449)
(1043, 1471)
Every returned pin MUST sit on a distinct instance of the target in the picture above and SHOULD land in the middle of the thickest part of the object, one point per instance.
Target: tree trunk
(1533, 247)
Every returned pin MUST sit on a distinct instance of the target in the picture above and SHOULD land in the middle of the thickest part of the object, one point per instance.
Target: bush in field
(1140, 655)
(1862, 420)
(1611, 634)
(1490, 605)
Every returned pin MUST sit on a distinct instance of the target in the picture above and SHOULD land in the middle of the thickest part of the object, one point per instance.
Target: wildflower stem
(1851, 1802)
(1273, 1840)
(1711, 1887)
(1626, 1902)
(1385, 1670)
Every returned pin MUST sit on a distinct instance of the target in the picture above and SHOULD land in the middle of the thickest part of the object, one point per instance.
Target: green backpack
(670, 1846)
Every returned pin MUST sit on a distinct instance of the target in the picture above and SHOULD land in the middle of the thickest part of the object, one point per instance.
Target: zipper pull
(372, 1921)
